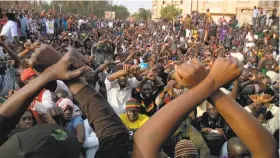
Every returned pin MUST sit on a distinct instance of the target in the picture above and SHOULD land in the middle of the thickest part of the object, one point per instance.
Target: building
(241, 8)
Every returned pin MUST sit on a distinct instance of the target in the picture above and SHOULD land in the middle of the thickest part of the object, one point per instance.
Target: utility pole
(60, 6)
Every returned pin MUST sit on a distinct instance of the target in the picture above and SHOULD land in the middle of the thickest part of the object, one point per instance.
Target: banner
(109, 15)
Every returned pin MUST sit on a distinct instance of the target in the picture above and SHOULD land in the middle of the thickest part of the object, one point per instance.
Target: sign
(109, 15)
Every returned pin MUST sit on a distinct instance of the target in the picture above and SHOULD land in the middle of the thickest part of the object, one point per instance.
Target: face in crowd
(132, 109)
(212, 111)
(147, 90)
(26, 120)
(122, 81)
(67, 113)
(237, 149)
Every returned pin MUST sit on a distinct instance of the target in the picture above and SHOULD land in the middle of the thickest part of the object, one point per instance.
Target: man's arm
(147, 140)
(117, 75)
(229, 109)
(12, 53)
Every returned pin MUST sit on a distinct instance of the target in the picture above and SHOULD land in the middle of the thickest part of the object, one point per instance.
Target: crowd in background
(83, 86)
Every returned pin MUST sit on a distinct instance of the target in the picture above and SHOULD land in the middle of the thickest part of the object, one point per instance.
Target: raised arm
(147, 140)
(264, 145)
(10, 51)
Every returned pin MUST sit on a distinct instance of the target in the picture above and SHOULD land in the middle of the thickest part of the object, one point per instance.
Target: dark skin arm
(228, 108)
(147, 139)
(117, 75)
(11, 53)
(80, 129)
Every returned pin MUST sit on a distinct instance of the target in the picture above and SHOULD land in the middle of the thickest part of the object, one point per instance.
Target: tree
(143, 14)
(121, 12)
(170, 12)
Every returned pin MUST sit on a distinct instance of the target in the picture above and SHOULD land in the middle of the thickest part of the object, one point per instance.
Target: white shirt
(47, 103)
(50, 26)
(91, 143)
(272, 125)
(10, 30)
(80, 22)
(116, 97)
(188, 33)
(255, 13)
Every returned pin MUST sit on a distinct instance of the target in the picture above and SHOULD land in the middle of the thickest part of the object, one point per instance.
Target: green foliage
(86, 8)
(120, 11)
(143, 14)
(170, 12)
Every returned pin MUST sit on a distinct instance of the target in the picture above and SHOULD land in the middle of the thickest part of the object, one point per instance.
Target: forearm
(23, 53)
(13, 106)
(117, 75)
(16, 39)
(12, 53)
(244, 84)
(80, 129)
(228, 108)
(167, 119)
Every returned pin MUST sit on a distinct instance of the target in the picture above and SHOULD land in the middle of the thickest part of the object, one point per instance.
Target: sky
(134, 5)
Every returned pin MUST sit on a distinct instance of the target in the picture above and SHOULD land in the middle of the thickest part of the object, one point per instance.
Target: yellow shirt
(136, 124)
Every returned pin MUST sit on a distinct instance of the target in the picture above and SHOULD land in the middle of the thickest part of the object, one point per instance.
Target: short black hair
(11, 16)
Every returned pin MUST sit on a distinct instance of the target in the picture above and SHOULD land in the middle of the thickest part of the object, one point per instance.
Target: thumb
(77, 73)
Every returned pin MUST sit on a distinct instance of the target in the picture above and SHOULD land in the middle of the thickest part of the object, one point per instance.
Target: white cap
(272, 75)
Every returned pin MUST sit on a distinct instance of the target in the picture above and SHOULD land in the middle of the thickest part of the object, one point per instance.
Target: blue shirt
(72, 125)
(23, 24)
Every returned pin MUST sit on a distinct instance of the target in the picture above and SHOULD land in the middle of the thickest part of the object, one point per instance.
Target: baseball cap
(44, 141)
(27, 73)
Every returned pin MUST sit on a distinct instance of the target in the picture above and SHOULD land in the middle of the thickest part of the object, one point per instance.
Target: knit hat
(63, 103)
(132, 104)
(184, 148)
(27, 73)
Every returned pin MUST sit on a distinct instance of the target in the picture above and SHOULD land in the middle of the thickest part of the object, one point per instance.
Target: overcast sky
(134, 5)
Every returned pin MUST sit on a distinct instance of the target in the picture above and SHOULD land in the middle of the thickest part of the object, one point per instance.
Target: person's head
(237, 149)
(266, 82)
(2, 65)
(28, 75)
(185, 149)
(21, 15)
(255, 7)
(26, 121)
(207, 10)
(67, 107)
(11, 16)
(211, 111)
(132, 109)
(147, 89)
(122, 81)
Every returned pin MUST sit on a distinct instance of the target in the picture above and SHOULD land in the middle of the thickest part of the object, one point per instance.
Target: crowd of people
(74, 86)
